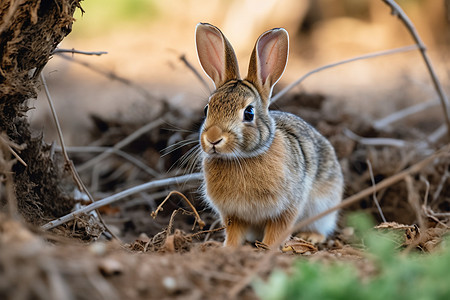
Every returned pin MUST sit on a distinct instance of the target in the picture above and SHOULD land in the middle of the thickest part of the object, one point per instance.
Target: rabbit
(263, 170)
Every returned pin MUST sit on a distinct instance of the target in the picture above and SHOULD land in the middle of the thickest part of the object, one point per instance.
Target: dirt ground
(137, 256)
(170, 257)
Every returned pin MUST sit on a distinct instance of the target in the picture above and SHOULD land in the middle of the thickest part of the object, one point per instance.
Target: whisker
(239, 160)
(194, 160)
(175, 128)
(171, 148)
(187, 159)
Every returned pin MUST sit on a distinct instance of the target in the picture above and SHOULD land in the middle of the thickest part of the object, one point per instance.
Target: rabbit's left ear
(268, 61)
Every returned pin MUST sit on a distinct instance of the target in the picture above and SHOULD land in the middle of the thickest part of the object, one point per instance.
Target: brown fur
(265, 173)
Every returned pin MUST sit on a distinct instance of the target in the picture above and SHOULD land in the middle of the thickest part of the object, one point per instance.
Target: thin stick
(209, 231)
(437, 134)
(194, 70)
(73, 51)
(374, 195)
(376, 141)
(111, 75)
(169, 227)
(201, 224)
(99, 149)
(116, 197)
(67, 160)
(414, 201)
(365, 56)
(121, 144)
(6, 170)
(397, 11)
(10, 145)
(55, 118)
(441, 183)
(401, 114)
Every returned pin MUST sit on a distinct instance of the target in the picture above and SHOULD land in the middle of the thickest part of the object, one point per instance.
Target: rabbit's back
(313, 166)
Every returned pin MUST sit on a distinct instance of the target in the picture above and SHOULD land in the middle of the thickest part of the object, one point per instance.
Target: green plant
(399, 275)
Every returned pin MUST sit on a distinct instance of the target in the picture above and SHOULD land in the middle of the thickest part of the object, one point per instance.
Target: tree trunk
(29, 31)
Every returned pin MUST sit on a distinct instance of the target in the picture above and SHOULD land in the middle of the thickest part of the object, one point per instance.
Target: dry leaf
(299, 246)
(393, 225)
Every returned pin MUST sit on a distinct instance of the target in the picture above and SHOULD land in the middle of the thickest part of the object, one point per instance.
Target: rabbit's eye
(205, 110)
(249, 113)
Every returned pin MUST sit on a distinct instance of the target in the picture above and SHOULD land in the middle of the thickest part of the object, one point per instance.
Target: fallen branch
(397, 11)
(376, 141)
(365, 56)
(73, 51)
(116, 197)
(437, 134)
(401, 114)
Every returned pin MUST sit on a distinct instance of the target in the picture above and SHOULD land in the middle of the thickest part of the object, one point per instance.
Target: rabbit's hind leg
(276, 229)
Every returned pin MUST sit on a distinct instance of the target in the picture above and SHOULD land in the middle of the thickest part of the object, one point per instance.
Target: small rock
(110, 267)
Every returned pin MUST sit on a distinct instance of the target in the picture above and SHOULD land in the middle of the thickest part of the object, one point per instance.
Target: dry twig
(121, 144)
(6, 165)
(374, 196)
(74, 51)
(401, 114)
(10, 145)
(98, 149)
(376, 141)
(414, 200)
(111, 75)
(397, 11)
(332, 65)
(200, 222)
(68, 161)
(116, 197)
(194, 70)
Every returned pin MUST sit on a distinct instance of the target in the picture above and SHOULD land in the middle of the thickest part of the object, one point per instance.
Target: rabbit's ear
(216, 54)
(268, 61)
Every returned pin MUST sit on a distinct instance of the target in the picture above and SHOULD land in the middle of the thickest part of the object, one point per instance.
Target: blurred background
(146, 38)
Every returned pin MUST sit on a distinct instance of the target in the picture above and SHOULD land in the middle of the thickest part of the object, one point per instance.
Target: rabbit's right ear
(216, 54)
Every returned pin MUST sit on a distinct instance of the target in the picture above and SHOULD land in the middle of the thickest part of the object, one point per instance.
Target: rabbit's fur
(264, 170)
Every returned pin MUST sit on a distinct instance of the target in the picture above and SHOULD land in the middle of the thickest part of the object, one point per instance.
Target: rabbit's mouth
(213, 150)
(217, 151)
(214, 141)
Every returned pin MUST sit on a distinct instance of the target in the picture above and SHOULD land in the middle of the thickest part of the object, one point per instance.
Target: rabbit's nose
(215, 142)
(214, 135)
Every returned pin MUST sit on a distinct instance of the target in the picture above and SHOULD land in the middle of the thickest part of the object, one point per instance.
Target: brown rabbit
(264, 170)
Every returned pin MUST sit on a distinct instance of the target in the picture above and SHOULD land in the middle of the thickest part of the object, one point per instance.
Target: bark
(29, 31)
